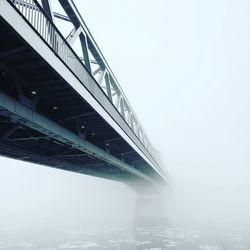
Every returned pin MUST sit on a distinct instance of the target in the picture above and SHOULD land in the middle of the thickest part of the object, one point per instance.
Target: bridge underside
(45, 121)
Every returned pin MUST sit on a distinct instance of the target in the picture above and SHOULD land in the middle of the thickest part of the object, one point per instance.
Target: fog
(39, 197)
(184, 66)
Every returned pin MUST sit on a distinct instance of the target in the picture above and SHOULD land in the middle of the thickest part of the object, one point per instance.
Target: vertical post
(107, 80)
(85, 51)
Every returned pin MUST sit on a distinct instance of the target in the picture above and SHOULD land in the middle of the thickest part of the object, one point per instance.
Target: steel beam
(10, 132)
(47, 8)
(60, 16)
(27, 117)
(85, 51)
(107, 81)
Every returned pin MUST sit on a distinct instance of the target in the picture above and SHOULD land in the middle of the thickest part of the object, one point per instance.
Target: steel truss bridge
(62, 106)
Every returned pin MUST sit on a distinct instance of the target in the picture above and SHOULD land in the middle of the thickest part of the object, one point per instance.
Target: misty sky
(184, 66)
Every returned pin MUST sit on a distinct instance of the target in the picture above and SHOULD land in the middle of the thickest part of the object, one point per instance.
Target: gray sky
(184, 66)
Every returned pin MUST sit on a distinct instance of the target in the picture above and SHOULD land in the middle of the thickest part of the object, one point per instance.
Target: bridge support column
(150, 210)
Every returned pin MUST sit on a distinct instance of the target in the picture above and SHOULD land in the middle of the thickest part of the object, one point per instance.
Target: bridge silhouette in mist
(61, 105)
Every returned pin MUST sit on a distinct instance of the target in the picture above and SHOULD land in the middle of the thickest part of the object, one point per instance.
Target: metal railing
(37, 18)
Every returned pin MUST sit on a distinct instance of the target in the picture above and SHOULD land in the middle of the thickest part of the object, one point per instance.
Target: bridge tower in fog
(60, 103)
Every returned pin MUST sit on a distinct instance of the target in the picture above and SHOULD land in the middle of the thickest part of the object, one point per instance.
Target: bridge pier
(150, 210)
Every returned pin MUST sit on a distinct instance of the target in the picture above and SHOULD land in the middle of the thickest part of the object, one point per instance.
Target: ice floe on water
(153, 248)
(16, 246)
(140, 238)
(79, 245)
(207, 247)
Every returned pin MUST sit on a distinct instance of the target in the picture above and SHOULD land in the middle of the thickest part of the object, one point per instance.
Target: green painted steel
(23, 115)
